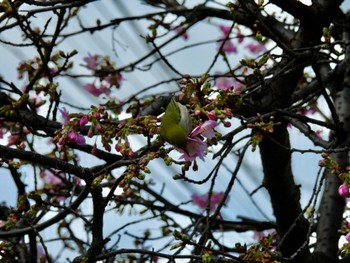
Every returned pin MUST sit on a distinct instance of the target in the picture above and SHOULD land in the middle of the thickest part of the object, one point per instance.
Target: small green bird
(176, 124)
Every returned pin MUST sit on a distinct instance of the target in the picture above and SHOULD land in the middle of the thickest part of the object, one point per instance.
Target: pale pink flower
(42, 257)
(64, 114)
(195, 148)
(205, 129)
(202, 200)
(92, 89)
(225, 29)
(224, 83)
(227, 84)
(228, 47)
(75, 137)
(91, 61)
(347, 237)
(50, 179)
(256, 48)
(240, 36)
(54, 183)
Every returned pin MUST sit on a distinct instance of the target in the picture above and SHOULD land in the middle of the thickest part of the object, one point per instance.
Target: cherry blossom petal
(205, 129)
(202, 200)
(256, 48)
(91, 61)
(195, 148)
(64, 114)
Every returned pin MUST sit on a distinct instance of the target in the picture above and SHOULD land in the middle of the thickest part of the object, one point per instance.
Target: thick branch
(10, 153)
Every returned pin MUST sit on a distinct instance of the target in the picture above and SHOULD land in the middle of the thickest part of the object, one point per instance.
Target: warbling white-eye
(176, 124)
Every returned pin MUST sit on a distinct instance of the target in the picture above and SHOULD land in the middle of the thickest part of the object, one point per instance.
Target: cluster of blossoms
(227, 47)
(108, 77)
(203, 202)
(74, 124)
(69, 133)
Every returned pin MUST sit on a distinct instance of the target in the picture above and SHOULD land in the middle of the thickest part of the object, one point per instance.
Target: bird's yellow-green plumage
(176, 124)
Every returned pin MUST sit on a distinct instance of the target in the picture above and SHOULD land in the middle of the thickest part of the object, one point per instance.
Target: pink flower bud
(211, 115)
(83, 121)
(197, 112)
(343, 190)
(227, 124)
(94, 150)
(321, 163)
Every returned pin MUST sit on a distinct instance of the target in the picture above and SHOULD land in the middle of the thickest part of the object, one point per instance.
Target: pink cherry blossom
(195, 148)
(256, 48)
(92, 89)
(202, 200)
(42, 257)
(91, 61)
(239, 36)
(225, 29)
(75, 137)
(205, 129)
(228, 47)
(225, 83)
(50, 179)
(347, 237)
(53, 182)
(64, 114)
